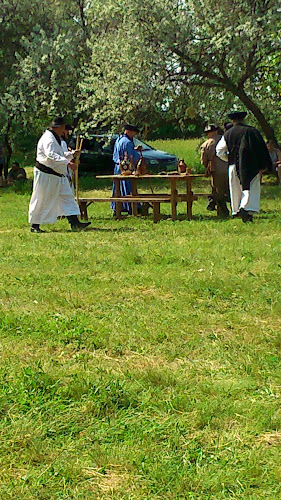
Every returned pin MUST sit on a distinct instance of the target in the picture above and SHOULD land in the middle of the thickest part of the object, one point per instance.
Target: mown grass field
(140, 360)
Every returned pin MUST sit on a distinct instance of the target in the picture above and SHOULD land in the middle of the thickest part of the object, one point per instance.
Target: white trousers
(247, 199)
(52, 196)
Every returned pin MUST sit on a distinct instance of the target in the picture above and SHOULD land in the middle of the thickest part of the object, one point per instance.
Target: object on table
(182, 167)
(141, 167)
(126, 165)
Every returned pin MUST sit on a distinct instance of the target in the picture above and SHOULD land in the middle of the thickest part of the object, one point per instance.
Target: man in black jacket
(245, 151)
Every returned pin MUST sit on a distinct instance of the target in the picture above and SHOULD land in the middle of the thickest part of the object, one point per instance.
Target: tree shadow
(94, 229)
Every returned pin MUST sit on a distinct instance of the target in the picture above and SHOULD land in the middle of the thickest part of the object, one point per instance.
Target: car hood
(156, 154)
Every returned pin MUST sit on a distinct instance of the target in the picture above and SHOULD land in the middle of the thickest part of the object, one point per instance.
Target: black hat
(210, 128)
(237, 115)
(57, 122)
(133, 128)
(69, 127)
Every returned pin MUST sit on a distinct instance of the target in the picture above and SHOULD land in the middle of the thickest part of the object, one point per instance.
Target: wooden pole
(79, 143)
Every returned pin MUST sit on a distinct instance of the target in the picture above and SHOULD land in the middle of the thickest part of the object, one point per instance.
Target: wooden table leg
(189, 195)
(118, 204)
(156, 211)
(83, 210)
(174, 198)
(134, 193)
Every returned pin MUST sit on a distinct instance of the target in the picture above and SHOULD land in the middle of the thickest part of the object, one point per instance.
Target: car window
(145, 147)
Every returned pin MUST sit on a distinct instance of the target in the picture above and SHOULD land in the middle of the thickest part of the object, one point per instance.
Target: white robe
(249, 199)
(52, 195)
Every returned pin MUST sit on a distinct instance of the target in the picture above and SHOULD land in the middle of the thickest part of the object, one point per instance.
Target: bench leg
(134, 193)
(144, 210)
(83, 210)
(156, 211)
(118, 204)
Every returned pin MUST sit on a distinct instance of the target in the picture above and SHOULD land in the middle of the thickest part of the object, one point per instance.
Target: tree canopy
(201, 53)
(104, 61)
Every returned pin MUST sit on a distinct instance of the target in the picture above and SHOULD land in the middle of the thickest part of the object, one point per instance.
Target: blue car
(97, 151)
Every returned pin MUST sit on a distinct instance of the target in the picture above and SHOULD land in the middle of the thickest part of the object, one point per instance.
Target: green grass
(187, 149)
(140, 361)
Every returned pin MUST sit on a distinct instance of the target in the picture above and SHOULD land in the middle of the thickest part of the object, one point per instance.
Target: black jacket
(247, 151)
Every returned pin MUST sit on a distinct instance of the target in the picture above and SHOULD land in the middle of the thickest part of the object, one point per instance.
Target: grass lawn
(140, 360)
(187, 149)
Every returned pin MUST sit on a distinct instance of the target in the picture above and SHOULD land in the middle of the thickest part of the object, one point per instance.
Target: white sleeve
(68, 154)
(59, 162)
(221, 149)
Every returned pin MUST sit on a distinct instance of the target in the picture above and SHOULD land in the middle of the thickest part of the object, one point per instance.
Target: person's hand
(138, 148)
(72, 165)
(76, 153)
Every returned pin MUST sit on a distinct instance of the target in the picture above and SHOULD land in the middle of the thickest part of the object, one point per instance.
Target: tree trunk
(8, 148)
(252, 106)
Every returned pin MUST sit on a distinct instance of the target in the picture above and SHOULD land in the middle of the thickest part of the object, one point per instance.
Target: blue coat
(122, 145)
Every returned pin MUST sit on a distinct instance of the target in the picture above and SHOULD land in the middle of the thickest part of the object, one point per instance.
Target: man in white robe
(52, 195)
(245, 151)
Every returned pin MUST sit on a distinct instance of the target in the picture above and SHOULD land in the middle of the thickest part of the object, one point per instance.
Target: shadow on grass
(110, 230)
(93, 229)
(165, 217)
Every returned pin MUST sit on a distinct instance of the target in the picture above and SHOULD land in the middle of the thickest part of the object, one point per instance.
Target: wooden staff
(79, 143)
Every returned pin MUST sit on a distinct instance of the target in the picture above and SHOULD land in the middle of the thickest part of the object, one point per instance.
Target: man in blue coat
(124, 147)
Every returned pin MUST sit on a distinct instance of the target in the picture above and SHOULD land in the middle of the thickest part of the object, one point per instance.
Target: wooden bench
(146, 200)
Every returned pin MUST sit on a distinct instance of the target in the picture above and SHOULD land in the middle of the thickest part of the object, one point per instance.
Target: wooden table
(155, 200)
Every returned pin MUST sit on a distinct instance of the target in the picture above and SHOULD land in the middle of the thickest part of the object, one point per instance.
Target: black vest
(233, 137)
(247, 151)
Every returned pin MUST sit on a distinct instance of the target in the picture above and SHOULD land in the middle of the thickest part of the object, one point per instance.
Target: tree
(43, 49)
(154, 49)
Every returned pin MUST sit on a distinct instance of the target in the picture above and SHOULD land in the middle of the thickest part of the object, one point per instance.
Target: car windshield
(145, 147)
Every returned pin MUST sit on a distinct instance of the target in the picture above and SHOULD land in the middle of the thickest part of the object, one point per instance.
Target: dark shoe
(76, 224)
(35, 228)
(224, 214)
(222, 209)
(211, 205)
(246, 217)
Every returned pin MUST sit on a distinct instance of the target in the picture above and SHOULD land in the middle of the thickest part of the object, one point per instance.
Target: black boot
(246, 217)
(35, 228)
(223, 210)
(212, 204)
(75, 223)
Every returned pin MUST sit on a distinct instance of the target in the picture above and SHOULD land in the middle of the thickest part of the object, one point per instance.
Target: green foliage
(200, 56)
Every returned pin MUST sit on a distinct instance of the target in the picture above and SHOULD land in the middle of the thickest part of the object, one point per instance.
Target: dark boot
(75, 222)
(212, 203)
(35, 228)
(246, 217)
(223, 210)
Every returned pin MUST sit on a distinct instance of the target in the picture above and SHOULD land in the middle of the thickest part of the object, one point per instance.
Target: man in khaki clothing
(217, 169)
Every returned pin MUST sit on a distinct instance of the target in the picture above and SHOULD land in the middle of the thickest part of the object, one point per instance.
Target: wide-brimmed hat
(57, 122)
(133, 128)
(210, 128)
(237, 115)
